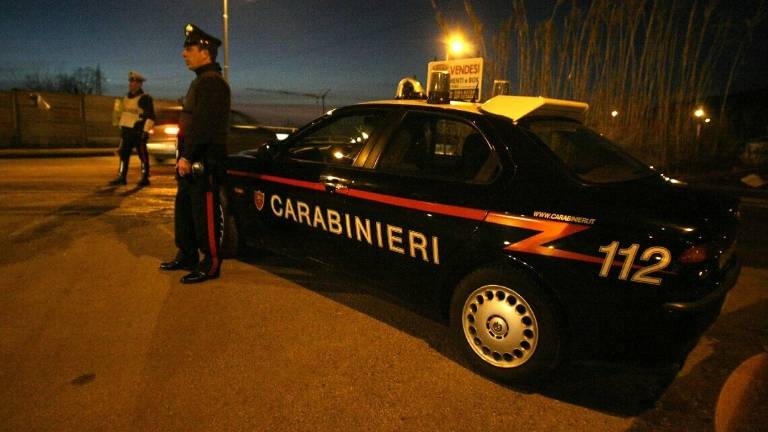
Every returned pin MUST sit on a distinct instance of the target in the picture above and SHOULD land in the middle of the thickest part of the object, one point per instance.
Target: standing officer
(136, 120)
(201, 152)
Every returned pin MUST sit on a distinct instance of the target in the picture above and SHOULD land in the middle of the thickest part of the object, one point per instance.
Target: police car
(539, 238)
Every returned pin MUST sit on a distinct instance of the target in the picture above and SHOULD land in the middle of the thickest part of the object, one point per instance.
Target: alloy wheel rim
(500, 326)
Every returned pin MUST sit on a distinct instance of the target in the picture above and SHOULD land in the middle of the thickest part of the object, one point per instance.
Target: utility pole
(225, 15)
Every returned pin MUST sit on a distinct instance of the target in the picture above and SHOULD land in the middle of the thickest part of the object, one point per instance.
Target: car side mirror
(270, 151)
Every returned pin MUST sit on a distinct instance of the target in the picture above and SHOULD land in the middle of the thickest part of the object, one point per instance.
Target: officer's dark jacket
(204, 121)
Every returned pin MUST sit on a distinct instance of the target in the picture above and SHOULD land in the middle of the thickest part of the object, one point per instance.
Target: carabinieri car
(538, 238)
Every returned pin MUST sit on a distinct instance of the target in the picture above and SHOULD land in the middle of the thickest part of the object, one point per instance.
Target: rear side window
(339, 139)
(589, 155)
(438, 146)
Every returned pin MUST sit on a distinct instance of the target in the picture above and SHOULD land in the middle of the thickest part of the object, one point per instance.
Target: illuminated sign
(466, 77)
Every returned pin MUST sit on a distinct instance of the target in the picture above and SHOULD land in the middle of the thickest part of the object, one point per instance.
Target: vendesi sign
(466, 77)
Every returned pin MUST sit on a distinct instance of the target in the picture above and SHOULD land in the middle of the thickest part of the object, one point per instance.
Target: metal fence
(40, 119)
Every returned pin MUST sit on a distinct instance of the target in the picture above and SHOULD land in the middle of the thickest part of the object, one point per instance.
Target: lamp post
(699, 114)
(225, 16)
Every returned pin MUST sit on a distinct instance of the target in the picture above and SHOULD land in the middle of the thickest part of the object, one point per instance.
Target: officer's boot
(121, 173)
(209, 269)
(144, 175)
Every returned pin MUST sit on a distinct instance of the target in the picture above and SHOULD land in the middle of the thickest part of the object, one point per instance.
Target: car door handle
(334, 184)
(334, 187)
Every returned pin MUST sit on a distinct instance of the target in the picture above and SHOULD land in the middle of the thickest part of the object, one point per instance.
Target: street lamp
(455, 45)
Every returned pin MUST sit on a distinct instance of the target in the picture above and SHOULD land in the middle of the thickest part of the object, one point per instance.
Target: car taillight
(171, 130)
(695, 254)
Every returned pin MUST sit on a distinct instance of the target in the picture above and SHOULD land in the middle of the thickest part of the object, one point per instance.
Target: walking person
(137, 116)
(201, 152)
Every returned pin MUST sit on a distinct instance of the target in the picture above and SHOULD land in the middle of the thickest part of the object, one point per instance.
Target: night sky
(357, 49)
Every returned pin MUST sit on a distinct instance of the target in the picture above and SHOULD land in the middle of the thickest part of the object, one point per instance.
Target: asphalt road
(94, 337)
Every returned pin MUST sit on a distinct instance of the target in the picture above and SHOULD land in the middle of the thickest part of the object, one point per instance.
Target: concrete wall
(40, 119)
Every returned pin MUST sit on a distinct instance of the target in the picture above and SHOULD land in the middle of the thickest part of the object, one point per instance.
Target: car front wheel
(506, 325)
(232, 243)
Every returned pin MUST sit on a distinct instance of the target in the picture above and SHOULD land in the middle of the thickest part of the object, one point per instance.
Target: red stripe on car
(429, 207)
(282, 180)
(549, 231)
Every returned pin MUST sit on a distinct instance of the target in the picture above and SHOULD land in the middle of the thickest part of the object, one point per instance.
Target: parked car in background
(754, 152)
(245, 133)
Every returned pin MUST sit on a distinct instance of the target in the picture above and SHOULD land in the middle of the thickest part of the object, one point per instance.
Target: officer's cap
(135, 76)
(195, 36)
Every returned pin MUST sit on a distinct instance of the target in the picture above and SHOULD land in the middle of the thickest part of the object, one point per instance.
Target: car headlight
(171, 130)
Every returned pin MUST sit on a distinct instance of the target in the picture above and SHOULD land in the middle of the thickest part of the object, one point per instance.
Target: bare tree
(651, 61)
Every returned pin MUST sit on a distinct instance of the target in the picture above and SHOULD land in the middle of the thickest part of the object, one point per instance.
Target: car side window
(338, 140)
(438, 146)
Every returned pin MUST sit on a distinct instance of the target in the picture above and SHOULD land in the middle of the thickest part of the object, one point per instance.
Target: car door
(426, 189)
(296, 211)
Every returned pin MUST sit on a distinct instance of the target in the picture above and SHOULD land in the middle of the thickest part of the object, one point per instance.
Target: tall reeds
(651, 61)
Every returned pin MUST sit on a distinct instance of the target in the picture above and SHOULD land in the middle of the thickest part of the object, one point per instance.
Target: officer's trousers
(131, 139)
(199, 220)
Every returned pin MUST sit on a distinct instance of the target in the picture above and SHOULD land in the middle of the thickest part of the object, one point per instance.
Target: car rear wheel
(506, 325)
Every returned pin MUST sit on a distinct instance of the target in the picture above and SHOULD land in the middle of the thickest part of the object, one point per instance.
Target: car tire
(232, 243)
(506, 325)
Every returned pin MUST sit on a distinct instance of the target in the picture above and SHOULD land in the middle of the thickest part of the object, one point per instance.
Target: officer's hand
(183, 167)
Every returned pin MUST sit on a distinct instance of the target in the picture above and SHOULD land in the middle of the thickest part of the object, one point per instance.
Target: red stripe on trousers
(211, 233)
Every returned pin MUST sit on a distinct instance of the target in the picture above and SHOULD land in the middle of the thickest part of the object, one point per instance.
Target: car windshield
(592, 157)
